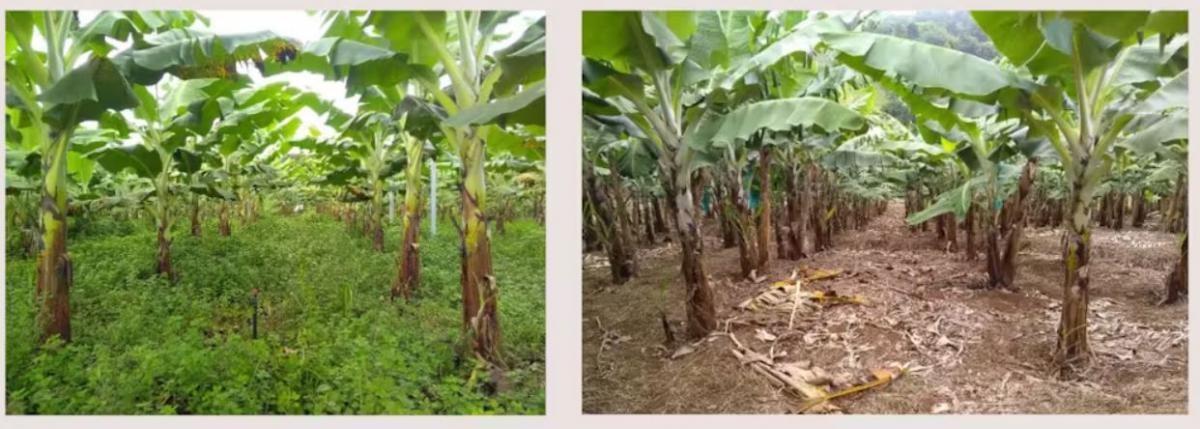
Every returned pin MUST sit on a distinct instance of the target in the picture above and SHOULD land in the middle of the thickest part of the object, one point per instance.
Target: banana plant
(21, 176)
(373, 142)
(783, 62)
(416, 128)
(490, 89)
(518, 181)
(1171, 166)
(164, 116)
(959, 111)
(1082, 83)
(610, 161)
(408, 273)
(252, 120)
(419, 122)
(1174, 165)
(123, 195)
(1104, 79)
(71, 80)
(646, 70)
(479, 112)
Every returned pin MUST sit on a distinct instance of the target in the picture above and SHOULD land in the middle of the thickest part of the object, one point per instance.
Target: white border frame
(563, 275)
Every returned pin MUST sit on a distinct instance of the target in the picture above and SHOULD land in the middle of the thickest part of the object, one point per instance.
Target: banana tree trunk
(223, 219)
(163, 223)
(55, 274)
(970, 227)
(591, 228)
(822, 208)
(1111, 213)
(952, 232)
(375, 226)
(743, 223)
(1168, 214)
(781, 241)
(804, 200)
(647, 222)
(1139, 209)
(1072, 328)
(941, 227)
(1120, 222)
(1176, 283)
(195, 206)
(1177, 222)
(620, 261)
(910, 206)
(164, 252)
(724, 218)
(1072, 348)
(479, 289)
(660, 222)
(829, 207)
(408, 276)
(624, 227)
(701, 308)
(1102, 214)
(699, 183)
(243, 211)
(1004, 239)
(635, 217)
(792, 198)
(920, 205)
(764, 209)
(365, 224)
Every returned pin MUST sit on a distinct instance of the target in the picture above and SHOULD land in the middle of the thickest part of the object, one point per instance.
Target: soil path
(982, 351)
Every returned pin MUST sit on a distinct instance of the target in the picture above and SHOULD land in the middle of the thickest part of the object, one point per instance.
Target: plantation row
(135, 113)
(782, 124)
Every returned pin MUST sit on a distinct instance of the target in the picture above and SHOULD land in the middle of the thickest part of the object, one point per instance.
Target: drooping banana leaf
(525, 107)
(923, 64)
(786, 114)
(1149, 140)
(647, 41)
(403, 30)
(1172, 95)
(524, 61)
(1044, 41)
(139, 159)
(190, 54)
(86, 92)
(804, 38)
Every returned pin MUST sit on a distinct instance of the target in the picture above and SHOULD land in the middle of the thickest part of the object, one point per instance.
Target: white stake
(432, 198)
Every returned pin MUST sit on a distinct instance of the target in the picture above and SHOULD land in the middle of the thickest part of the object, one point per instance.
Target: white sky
(305, 27)
(294, 24)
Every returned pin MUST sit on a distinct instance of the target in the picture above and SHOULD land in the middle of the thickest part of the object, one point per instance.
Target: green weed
(330, 341)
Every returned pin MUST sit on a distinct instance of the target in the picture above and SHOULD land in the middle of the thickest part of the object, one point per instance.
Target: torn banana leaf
(879, 378)
(783, 294)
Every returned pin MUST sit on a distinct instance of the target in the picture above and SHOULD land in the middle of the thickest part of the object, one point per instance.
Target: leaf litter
(963, 349)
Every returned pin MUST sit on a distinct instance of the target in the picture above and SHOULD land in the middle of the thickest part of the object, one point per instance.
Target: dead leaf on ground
(682, 351)
(764, 336)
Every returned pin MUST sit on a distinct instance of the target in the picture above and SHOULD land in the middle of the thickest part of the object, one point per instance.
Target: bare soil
(970, 350)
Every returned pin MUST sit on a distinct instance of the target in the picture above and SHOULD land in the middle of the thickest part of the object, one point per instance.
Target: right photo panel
(884, 212)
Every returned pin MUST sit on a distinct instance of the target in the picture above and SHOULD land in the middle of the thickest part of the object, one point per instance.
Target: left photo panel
(275, 212)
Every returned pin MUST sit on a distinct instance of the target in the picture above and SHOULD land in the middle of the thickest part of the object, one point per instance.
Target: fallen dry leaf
(765, 336)
(682, 351)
